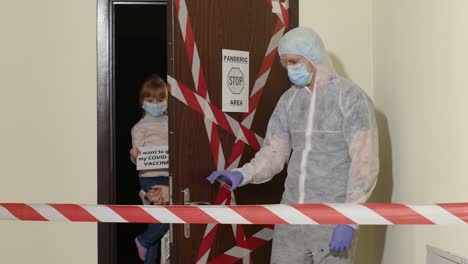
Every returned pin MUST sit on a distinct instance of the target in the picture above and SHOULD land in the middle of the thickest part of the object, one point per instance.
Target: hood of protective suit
(307, 43)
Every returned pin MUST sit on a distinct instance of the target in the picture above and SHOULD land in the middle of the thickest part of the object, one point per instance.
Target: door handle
(187, 201)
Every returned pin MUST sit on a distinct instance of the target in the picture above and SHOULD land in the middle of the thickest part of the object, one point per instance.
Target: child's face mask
(155, 110)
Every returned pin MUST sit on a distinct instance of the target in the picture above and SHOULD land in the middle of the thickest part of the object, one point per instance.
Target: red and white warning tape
(281, 9)
(296, 214)
(204, 107)
(212, 131)
(224, 197)
(244, 248)
(257, 92)
(199, 79)
(213, 113)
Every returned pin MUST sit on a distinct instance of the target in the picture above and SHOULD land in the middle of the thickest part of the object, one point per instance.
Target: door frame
(106, 180)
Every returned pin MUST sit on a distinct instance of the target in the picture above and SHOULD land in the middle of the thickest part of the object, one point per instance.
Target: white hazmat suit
(332, 134)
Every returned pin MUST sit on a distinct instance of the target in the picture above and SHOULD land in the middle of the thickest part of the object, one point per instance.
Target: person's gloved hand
(232, 177)
(341, 238)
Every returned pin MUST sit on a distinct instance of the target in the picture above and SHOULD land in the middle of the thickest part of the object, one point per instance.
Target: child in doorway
(151, 131)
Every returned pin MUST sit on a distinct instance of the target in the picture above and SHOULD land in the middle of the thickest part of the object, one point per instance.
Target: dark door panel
(219, 24)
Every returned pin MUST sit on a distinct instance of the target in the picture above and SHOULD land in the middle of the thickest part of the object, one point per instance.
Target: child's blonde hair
(154, 86)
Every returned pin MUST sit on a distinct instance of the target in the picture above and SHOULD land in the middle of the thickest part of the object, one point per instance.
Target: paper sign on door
(235, 81)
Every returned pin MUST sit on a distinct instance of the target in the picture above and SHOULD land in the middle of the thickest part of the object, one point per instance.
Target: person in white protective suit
(329, 124)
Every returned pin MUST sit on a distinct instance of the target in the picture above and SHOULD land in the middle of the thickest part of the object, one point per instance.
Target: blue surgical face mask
(155, 110)
(299, 75)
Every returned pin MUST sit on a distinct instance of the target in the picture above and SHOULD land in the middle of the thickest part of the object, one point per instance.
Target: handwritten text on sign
(151, 158)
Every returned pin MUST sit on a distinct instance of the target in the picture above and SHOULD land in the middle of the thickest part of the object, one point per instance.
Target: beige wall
(48, 113)
(346, 30)
(421, 65)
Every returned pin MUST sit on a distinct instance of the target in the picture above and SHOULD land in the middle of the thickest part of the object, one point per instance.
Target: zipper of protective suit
(308, 142)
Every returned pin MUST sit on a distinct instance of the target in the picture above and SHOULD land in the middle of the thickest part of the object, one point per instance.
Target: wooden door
(200, 30)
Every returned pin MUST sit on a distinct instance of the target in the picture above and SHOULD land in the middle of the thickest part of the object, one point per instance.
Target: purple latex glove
(341, 238)
(234, 178)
